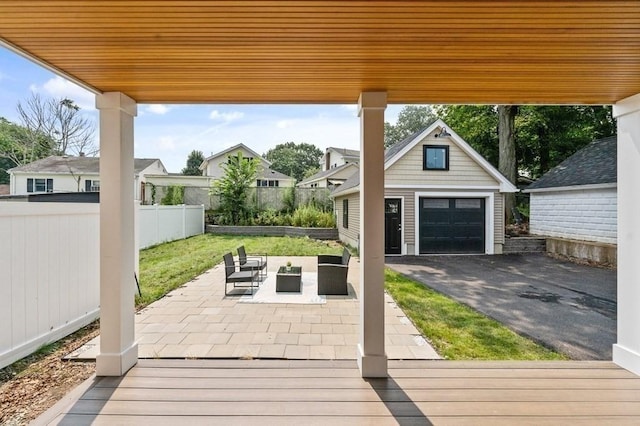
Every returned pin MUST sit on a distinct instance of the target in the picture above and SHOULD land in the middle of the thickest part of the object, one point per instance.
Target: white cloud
(226, 117)
(284, 124)
(167, 143)
(59, 87)
(158, 109)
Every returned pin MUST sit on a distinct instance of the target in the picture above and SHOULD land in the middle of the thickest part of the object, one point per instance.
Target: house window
(265, 182)
(39, 185)
(92, 185)
(435, 157)
(345, 214)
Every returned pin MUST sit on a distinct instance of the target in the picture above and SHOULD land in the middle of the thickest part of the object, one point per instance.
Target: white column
(372, 358)
(626, 353)
(118, 350)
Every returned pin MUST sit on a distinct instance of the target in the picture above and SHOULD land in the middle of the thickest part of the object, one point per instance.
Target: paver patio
(198, 321)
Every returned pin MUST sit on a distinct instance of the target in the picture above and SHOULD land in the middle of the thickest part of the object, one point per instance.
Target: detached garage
(441, 197)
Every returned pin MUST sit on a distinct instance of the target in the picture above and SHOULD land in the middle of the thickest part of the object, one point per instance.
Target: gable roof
(233, 148)
(325, 174)
(595, 164)
(399, 149)
(345, 151)
(77, 165)
(268, 173)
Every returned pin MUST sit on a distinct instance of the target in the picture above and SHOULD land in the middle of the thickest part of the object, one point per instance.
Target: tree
(233, 188)
(411, 119)
(60, 121)
(194, 160)
(507, 158)
(294, 159)
(17, 148)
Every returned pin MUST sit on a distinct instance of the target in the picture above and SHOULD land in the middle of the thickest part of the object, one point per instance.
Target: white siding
(214, 166)
(50, 273)
(589, 215)
(61, 183)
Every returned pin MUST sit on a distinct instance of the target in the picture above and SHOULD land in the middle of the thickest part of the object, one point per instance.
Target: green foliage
(411, 119)
(271, 217)
(477, 125)
(194, 160)
(168, 266)
(289, 199)
(545, 135)
(234, 188)
(173, 197)
(294, 159)
(311, 217)
(18, 147)
(457, 331)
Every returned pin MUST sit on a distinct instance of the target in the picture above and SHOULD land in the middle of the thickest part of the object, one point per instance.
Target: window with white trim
(39, 185)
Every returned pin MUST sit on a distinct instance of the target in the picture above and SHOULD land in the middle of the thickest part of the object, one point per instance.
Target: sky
(171, 132)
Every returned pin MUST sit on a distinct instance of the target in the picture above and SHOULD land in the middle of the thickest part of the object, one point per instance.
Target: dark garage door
(452, 225)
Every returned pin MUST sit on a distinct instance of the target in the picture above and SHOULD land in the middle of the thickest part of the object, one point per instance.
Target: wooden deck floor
(280, 392)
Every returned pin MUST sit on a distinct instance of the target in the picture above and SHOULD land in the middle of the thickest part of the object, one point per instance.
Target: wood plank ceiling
(556, 52)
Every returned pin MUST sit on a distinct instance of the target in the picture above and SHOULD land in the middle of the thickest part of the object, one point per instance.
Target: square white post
(118, 350)
(372, 359)
(626, 353)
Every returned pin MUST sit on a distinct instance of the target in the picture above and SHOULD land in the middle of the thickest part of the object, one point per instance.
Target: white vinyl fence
(49, 273)
(50, 266)
(159, 224)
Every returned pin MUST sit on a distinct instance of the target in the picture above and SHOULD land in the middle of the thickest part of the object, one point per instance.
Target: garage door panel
(452, 225)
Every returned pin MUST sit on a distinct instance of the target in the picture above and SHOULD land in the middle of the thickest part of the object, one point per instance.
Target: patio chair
(332, 273)
(253, 262)
(235, 277)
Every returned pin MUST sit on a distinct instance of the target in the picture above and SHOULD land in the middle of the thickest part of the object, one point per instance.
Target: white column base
(626, 358)
(109, 364)
(372, 366)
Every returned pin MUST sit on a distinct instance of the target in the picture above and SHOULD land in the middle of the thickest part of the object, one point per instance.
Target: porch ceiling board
(331, 51)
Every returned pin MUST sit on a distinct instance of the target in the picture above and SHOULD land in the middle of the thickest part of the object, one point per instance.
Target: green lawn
(456, 331)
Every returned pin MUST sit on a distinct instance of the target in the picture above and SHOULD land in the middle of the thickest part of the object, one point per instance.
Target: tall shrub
(234, 187)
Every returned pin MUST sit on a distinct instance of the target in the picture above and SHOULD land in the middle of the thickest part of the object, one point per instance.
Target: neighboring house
(4, 190)
(336, 157)
(441, 196)
(330, 178)
(213, 167)
(73, 174)
(577, 199)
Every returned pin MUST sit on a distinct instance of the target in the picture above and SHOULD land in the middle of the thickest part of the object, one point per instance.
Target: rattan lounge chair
(253, 262)
(332, 273)
(238, 278)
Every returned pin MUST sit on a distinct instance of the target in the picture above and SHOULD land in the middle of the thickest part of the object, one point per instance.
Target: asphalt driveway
(569, 307)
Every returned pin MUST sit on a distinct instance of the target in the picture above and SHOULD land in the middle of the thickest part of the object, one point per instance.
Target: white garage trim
(489, 214)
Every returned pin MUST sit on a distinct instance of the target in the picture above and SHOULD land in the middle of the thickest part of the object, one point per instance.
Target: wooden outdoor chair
(253, 262)
(238, 278)
(332, 273)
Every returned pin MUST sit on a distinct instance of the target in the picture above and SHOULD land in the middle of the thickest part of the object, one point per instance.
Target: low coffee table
(289, 281)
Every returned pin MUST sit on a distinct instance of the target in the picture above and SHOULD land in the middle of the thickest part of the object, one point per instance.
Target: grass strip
(458, 332)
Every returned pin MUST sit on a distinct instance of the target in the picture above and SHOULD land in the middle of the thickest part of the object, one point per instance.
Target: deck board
(240, 392)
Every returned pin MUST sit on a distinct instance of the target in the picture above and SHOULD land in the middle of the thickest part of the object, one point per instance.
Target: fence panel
(160, 224)
(49, 274)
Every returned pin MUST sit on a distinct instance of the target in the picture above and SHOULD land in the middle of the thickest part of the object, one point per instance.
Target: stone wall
(275, 231)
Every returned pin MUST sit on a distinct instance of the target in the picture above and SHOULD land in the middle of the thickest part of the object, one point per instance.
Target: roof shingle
(594, 164)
